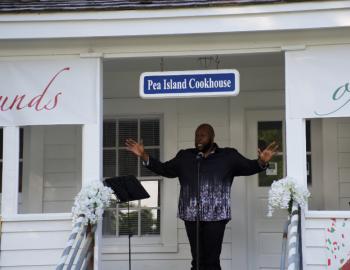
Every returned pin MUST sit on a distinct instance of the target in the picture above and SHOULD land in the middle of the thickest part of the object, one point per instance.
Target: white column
(296, 150)
(92, 155)
(10, 169)
(295, 127)
(295, 140)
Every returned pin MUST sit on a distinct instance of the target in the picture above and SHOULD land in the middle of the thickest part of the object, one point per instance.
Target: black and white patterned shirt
(216, 173)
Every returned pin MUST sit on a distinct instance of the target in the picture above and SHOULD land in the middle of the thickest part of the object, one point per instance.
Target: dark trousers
(211, 234)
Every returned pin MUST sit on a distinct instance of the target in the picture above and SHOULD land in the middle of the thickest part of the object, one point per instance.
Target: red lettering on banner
(54, 103)
(3, 103)
(37, 102)
(18, 107)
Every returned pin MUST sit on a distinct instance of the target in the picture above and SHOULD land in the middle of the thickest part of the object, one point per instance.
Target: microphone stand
(129, 235)
(199, 158)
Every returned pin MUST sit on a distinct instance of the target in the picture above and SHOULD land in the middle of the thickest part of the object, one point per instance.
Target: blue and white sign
(192, 83)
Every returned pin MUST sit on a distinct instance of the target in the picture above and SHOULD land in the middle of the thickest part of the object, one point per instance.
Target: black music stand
(127, 188)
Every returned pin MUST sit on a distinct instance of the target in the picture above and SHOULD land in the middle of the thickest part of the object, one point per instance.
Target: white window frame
(150, 239)
(167, 240)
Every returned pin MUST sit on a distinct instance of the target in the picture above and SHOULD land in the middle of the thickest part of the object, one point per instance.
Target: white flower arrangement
(283, 192)
(91, 202)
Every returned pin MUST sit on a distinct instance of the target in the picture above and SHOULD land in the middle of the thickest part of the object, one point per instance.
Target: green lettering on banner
(338, 94)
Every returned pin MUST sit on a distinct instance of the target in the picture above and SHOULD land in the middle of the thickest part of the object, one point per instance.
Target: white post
(296, 150)
(295, 141)
(92, 155)
(10, 170)
(295, 132)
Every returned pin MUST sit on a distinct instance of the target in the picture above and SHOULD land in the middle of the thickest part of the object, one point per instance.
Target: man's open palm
(135, 147)
(268, 152)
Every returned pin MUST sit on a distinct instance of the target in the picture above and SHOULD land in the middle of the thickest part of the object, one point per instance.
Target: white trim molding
(253, 18)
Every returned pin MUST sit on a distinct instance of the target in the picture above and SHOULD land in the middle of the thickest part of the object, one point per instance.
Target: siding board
(30, 257)
(58, 206)
(61, 179)
(36, 226)
(34, 240)
(344, 175)
(66, 151)
(59, 194)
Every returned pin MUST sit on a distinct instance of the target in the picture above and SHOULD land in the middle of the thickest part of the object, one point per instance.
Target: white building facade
(85, 65)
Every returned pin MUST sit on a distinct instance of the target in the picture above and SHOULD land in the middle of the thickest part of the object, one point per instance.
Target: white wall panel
(62, 167)
(314, 237)
(343, 160)
(270, 260)
(33, 244)
(344, 175)
(315, 253)
(344, 190)
(317, 267)
(315, 256)
(67, 179)
(30, 257)
(343, 129)
(33, 240)
(185, 121)
(343, 145)
(60, 135)
(187, 134)
(270, 243)
(60, 151)
(60, 193)
(316, 223)
(57, 206)
(36, 226)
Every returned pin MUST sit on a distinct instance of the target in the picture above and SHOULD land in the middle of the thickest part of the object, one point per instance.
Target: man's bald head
(204, 137)
(208, 128)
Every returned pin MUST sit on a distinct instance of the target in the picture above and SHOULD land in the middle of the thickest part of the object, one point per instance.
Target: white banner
(46, 92)
(318, 82)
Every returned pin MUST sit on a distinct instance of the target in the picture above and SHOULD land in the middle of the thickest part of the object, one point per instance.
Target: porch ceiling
(258, 71)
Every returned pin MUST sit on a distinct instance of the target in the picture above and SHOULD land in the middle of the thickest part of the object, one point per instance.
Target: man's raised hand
(270, 151)
(136, 148)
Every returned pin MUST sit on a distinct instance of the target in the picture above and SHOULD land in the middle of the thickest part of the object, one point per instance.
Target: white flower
(283, 192)
(91, 202)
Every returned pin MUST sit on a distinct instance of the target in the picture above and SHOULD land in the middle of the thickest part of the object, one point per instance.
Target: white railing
(79, 248)
(292, 235)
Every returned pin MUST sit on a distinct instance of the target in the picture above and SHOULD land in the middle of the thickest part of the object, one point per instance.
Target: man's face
(203, 139)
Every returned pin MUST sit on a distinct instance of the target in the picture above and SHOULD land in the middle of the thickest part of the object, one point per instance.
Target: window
(269, 131)
(20, 175)
(144, 215)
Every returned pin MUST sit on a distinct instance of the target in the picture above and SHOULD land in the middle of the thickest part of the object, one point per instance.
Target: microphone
(199, 155)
